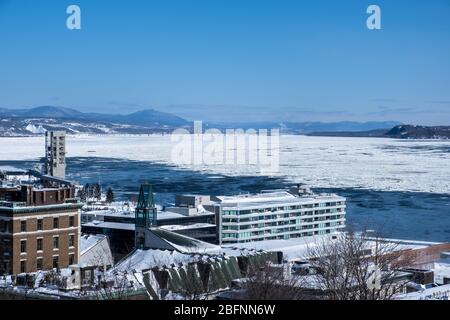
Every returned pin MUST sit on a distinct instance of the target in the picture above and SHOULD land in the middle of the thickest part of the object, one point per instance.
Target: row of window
(236, 238)
(285, 215)
(247, 234)
(286, 208)
(40, 263)
(40, 247)
(297, 221)
(40, 224)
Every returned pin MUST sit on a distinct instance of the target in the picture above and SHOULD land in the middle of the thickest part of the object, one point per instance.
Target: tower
(146, 215)
(55, 154)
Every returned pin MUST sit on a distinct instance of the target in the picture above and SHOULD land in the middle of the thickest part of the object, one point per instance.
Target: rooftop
(89, 241)
(110, 225)
(297, 249)
(188, 227)
(162, 215)
(275, 198)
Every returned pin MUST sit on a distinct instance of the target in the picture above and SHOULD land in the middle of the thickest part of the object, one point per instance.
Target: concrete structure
(55, 154)
(278, 215)
(191, 201)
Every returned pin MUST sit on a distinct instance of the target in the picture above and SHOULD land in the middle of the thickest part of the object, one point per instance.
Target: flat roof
(162, 215)
(275, 198)
(110, 225)
(187, 227)
(165, 215)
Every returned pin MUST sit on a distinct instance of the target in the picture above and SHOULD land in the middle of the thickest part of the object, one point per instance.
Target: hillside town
(62, 240)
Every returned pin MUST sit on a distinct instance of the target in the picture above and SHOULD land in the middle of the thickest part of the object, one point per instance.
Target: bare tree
(273, 282)
(355, 267)
(115, 287)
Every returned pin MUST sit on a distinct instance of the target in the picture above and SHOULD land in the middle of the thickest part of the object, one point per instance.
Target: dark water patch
(404, 215)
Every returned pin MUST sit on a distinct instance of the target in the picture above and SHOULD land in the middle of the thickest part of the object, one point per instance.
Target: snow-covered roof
(110, 225)
(292, 249)
(165, 215)
(183, 243)
(297, 249)
(187, 227)
(95, 251)
(89, 241)
(162, 215)
(147, 259)
(273, 199)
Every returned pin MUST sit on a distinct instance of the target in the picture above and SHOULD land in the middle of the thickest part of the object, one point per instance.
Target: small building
(95, 254)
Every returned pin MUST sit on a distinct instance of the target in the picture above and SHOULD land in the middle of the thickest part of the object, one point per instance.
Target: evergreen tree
(87, 191)
(109, 196)
(82, 194)
(97, 191)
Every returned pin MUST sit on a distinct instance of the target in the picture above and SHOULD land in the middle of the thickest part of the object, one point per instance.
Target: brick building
(39, 228)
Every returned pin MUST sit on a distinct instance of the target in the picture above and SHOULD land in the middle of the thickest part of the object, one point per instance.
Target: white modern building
(279, 215)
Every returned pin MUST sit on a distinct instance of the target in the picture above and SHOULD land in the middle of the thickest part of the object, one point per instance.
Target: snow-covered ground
(372, 163)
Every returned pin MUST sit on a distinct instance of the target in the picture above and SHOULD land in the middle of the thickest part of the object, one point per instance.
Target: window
(55, 242)
(23, 246)
(71, 259)
(71, 221)
(39, 264)
(39, 245)
(71, 240)
(55, 223)
(40, 225)
(23, 266)
(23, 226)
(7, 226)
(55, 262)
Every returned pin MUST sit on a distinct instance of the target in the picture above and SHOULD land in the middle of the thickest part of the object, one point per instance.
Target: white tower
(55, 154)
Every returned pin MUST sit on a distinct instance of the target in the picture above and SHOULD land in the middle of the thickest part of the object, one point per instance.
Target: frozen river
(367, 163)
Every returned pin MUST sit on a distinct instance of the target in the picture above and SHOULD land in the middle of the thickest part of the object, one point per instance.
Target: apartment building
(39, 228)
(279, 215)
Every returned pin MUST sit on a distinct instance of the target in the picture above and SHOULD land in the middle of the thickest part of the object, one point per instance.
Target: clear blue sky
(231, 59)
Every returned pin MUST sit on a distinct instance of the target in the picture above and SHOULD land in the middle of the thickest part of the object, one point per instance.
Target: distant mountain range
(35, 121)
(148, 118)
(398, 132)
